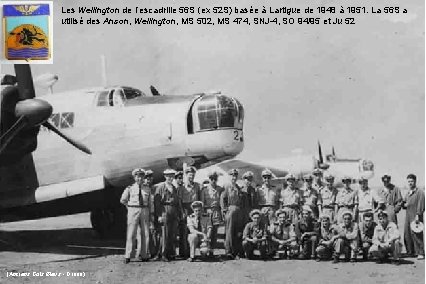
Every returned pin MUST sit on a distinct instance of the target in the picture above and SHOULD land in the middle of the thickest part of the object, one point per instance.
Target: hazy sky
(360, 88)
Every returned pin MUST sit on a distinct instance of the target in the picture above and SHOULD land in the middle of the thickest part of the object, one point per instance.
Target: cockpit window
(217, 111)
(130, 93)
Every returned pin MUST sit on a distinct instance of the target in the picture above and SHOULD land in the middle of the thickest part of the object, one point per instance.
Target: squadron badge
(26, 30)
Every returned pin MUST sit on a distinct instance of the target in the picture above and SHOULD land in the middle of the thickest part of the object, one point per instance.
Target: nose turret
(215, 122)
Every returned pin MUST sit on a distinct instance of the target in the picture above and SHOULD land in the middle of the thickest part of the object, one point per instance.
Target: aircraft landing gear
(109, 222)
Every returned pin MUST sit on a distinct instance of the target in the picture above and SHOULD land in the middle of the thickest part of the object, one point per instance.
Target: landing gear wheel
(109, 222)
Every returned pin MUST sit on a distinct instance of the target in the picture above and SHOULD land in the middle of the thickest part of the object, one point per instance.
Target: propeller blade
(12, 132)
(25, 81)
(76, 144)
(333, 152)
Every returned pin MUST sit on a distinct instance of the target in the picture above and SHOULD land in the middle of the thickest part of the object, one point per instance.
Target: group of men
(315, 220)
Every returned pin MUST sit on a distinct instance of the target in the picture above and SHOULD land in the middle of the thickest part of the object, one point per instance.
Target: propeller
(321, 163)
(333, 152)
(73, 142)
(30, 112)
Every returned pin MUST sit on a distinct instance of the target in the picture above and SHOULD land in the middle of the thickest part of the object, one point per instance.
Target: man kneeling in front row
(283, 236)
(200, 229)
(254, 236)
(386, 240)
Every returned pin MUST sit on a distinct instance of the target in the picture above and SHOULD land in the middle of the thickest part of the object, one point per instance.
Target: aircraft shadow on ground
(81, 241)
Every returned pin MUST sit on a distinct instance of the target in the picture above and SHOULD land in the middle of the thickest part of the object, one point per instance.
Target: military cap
(316, 171)
(362, 179)
(254, 212)
(279, 212)
(325, 216)
(346, 178)
(248, 174)
(308, 177)
(306, 208)
(348, 213)
(381, 213)
(233, 172)
(178, 174)
(290, 176)
(148, 173)
(197, 204)
(266, 173)
(190, 170)
(213, 175)
(368, 214)
(329, 177)
(169, 172)
(386, 177)
(138, 172)
(412, 176)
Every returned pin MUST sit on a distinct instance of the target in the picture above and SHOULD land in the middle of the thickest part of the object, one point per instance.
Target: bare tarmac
(66, 250)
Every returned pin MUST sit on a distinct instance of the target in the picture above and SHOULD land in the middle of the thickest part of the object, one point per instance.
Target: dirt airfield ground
(67, 245)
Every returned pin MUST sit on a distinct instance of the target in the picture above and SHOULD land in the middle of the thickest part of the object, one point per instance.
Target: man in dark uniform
(249, 188)
(233, 200)
(415, 207)
(168, 208)
(183, 229)
(366, 230)
(210, 196)
(391, 195)
(254, 236)
(307, 233)
(155, 228)
(326, 239)
(283, 236)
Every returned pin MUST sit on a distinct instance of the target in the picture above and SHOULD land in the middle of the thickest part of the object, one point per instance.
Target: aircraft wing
(68, 197)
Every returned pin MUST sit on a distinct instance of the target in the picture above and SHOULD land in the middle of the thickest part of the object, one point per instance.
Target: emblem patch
(26, 29)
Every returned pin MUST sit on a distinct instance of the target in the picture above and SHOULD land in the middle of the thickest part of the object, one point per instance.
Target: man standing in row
(188, 191)
(168, 208)
(367, 200)
(311, 197)
(268, 197)
(233, 200)
(415, 203)
(346, 200)
(392, 198)
(328, 195)
(291, 199)
(210, 197)
(137, 199)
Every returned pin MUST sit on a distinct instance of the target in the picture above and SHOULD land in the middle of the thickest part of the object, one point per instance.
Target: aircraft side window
(67, 120)
(54, 118)
(103, 98)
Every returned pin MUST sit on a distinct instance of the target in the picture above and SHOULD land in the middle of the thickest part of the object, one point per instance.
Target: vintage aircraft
(114, 130)
(299, 164)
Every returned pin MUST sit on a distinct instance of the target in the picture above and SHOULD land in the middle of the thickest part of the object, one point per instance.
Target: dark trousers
(413, 242)
(169, 233)
(249, 248)
(234, 222)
